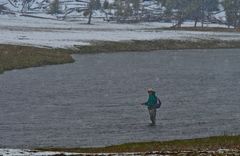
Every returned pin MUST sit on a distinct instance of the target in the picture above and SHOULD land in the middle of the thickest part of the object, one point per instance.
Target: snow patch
(19, 152)
(63, 34)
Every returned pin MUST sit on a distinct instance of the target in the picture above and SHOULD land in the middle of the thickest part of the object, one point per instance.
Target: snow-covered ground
(53, 33)
(19, 152)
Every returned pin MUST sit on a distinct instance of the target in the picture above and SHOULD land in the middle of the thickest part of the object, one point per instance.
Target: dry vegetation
(204, 29)
(205, 144)
(18, 57)
(137, 45)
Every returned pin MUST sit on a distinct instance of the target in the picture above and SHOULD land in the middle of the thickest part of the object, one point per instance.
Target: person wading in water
(153, 103)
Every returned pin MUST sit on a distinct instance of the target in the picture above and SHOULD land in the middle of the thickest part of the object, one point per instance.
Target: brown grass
(18, 57)
(204, 29)
(137, 45)
(211, 143)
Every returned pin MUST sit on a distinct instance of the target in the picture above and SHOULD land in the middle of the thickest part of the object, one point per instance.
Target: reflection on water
(96, 100)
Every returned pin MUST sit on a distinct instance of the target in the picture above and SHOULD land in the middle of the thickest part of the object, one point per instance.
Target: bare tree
(25, 5)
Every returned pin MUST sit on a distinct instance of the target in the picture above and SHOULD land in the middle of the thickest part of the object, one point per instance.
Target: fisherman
(151, 103)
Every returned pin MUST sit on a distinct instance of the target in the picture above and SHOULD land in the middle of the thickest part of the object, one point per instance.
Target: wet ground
(96, 100)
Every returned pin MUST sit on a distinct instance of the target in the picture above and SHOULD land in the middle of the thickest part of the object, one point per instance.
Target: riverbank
(18, 57)
(204, 29)
(151, 45)
(193, 146)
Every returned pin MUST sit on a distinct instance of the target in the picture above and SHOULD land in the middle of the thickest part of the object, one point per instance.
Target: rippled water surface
(96, 100)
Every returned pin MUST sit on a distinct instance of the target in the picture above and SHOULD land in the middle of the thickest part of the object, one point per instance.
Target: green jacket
(152, 101)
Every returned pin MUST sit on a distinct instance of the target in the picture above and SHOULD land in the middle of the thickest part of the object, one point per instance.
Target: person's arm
(147, 103)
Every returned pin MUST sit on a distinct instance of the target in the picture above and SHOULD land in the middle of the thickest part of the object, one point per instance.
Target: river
(96, 100)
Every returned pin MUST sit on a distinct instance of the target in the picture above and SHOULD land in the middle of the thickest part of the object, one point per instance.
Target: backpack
(159, 103)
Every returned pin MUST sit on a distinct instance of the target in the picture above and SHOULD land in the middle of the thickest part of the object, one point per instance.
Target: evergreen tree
(128, 10)
(54, 7)
(195, 11)
(106, 4)
(232, 9)
(98, 5)
(135, 5)
(190, 9)
(178, 9)
(119, 8)
(162, 2)
(208, 6)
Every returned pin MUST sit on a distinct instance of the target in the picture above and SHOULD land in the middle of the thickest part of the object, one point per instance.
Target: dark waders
(152, 113)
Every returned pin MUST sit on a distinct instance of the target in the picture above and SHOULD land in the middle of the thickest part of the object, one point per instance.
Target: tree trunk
(179, 22)
(195, 24)
(202, 13)
(90, 17)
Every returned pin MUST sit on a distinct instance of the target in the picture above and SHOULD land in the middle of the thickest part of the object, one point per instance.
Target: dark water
(95, 101)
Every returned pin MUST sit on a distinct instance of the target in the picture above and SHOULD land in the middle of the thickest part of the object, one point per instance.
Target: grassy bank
(138, 45)
(211, 143)
(204, 29)
(18, 57)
